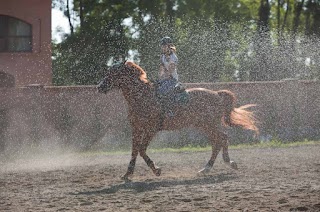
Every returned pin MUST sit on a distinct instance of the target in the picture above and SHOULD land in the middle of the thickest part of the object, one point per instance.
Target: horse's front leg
(143, 153)
(135, 150)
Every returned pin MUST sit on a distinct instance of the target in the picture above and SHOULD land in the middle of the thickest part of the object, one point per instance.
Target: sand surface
(277, 179)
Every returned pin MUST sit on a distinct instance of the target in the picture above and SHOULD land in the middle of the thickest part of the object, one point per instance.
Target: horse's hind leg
(216, 146)
(225, 153)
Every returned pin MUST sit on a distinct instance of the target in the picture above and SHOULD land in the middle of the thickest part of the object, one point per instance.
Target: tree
(235, 40)
(98, 40)
(261, 70)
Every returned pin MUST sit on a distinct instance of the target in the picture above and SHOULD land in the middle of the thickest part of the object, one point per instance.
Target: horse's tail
(237, 116)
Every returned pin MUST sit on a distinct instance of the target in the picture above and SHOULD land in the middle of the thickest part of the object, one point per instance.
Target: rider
(168, 60)
(168, 76)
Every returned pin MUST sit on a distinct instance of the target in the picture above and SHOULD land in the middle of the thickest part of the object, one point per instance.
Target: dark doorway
(6, 80)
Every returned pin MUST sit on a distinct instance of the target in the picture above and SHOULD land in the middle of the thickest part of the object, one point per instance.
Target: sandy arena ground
(278, 179)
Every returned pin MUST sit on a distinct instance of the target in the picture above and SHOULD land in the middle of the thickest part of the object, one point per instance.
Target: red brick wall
(30, 67)
(79, 116)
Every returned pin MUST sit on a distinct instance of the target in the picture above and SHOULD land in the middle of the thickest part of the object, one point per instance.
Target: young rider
(168, 60)
(168, 75)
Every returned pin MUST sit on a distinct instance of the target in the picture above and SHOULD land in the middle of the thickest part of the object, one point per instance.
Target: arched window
(15, 35)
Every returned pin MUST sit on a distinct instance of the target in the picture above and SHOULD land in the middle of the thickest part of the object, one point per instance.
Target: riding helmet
(166, 40)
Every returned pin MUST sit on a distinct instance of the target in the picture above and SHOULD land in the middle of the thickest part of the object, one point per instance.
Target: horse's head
(121, 74)
(110, 80)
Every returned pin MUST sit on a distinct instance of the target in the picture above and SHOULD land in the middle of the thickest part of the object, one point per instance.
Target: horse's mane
(142, 74)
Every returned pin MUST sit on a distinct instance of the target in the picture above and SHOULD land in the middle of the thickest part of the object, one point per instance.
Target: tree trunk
(278, 21)
(81, 13)
(262, 46)
(308, 12)
(69, 18)
(286, 15)
(315, 28)
(296, 20)
(264, 13)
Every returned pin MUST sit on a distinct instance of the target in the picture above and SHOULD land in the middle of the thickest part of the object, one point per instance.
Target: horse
(206, 111)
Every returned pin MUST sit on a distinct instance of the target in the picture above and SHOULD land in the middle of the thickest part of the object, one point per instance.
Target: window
(15, 35)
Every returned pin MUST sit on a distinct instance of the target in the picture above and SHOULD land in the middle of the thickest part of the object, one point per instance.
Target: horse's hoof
(125, 178)
(157, 172)
(233, 165)
(204, 171)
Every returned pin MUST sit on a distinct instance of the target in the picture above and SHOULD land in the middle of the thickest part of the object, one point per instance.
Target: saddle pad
(181, 98)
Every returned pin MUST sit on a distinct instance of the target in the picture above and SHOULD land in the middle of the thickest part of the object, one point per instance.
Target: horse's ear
(129, 63)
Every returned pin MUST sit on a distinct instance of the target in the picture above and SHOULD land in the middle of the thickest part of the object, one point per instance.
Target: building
(25, 43)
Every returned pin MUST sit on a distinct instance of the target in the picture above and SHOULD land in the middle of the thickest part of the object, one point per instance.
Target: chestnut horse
(205, 111)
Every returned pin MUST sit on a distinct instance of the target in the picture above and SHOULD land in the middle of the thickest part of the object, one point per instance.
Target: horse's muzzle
(101, 90)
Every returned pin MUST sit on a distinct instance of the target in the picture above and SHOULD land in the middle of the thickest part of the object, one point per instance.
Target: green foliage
(235, 40)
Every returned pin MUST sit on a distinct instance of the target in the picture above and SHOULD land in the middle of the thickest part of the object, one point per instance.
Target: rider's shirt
(166, 61)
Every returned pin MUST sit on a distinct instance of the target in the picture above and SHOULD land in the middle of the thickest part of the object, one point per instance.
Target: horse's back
(203, 94)
(204, 108)
(204, 99)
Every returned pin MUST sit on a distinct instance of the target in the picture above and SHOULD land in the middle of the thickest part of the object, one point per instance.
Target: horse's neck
(138, 93)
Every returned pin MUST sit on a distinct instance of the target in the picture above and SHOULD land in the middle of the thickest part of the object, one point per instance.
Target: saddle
(171, 94)
(180, 95)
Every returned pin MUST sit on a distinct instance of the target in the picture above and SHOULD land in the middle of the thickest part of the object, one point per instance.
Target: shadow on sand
(149, 186)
